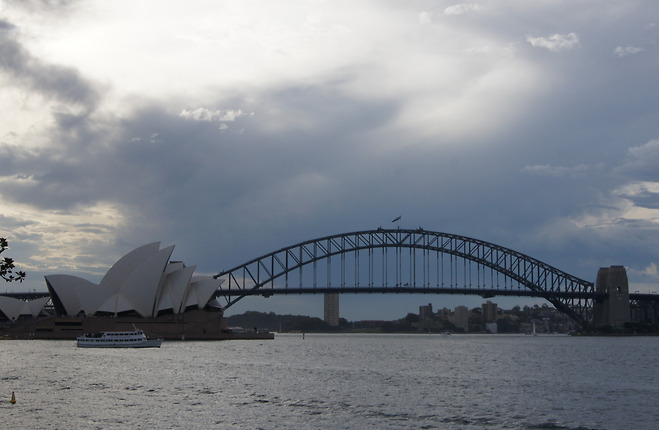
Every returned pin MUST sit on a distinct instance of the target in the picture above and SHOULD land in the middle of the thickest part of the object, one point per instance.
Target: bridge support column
(332, 309)
(614, 309)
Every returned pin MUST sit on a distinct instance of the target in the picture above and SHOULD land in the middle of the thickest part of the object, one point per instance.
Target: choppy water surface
(337, 382)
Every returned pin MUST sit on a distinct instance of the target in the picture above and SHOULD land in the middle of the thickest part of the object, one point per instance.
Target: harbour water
(337, 382)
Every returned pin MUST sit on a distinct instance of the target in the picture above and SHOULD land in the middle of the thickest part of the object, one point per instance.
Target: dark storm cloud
(229, 179)
(5, 26)
(242, 183)
(160, 162)
(51, 81)
(246, 179)
(253, 190)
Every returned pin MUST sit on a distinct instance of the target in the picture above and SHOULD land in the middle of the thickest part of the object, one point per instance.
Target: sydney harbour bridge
(414, 261)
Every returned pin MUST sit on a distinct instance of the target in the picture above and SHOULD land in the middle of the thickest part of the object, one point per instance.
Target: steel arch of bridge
(418, 260)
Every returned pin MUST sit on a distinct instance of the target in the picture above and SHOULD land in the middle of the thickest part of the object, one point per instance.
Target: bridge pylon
(331, 308)
(613, 308)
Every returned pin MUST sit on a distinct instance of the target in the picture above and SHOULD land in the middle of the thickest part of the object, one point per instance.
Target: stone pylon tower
(614, 309)
(332, 309)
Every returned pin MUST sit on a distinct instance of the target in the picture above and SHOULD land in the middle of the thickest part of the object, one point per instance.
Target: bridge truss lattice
(406, 261)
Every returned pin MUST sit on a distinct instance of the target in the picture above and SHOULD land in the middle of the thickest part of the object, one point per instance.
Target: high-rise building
(332, 309)
(425, 311)
(490, 311)
(460, 318)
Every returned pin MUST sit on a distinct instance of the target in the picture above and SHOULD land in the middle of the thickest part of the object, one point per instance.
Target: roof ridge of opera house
(143, 282)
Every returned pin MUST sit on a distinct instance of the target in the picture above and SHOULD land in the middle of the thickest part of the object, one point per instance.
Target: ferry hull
(151, 343)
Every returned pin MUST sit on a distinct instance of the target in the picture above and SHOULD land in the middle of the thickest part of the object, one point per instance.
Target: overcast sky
(234, 128)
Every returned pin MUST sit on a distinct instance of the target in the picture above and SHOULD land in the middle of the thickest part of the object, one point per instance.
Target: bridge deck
(486, 293)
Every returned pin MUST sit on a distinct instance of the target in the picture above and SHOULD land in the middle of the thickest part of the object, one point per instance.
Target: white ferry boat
(118, 339)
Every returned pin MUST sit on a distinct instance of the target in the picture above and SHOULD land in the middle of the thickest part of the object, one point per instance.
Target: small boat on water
(118, 339)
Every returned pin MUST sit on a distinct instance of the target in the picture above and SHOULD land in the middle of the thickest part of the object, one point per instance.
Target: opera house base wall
(191, 325)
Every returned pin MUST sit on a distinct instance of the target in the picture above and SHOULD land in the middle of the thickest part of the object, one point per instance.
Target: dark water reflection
(337, 382)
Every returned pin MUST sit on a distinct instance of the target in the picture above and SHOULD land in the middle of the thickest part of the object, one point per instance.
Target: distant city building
(491, 327)
(490, 311)
(460, 318)
(332, 309)
(444, 313)
(425, 311)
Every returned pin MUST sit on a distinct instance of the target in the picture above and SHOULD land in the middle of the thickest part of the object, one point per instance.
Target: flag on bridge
(396, 219)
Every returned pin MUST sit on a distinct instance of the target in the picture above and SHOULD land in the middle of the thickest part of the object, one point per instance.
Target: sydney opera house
(144, 288)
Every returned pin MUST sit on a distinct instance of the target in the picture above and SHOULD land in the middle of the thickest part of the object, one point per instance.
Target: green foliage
(7, 271)
(284, 323)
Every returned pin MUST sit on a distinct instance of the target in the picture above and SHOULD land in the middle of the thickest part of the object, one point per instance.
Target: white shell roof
(174, 287)
(78, 294)
(141, 281)
(13, 308)
(200, 292)
(126, 264)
